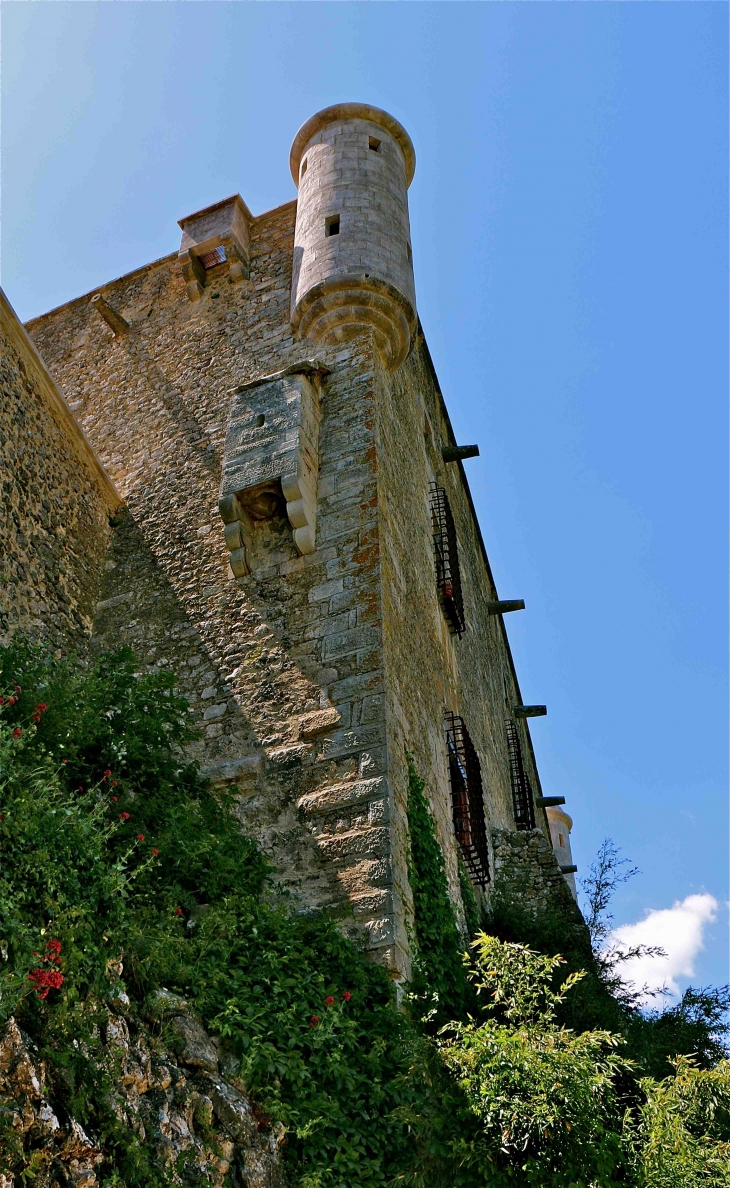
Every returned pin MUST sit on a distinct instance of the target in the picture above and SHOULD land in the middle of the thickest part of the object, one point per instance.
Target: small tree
(607, 872)
(543, 1096)
(697, 1025)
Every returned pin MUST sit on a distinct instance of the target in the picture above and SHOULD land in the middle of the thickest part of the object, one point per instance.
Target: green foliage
(114, 847)
(591, 1004)
(697, 1025)
(183, 904)
(439, 980)
(681, 1138)
(544, 1096)
(468, 898)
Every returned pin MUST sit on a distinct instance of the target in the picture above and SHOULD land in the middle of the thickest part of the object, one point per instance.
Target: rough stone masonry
(293, 544)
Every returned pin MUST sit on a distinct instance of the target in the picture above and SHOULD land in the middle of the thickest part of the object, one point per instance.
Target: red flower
(329, 1001)
(36, 717)
(64, 760)
(2, 701)
(155, 852)
(114, 799)
(80, 788)
(54, 946)
(124, 816)
(178, 911)
(45, 980)
(41, 707)
(115, 783)
(107, 772)
(313, 1020)
(12, 700)
(19, 688)
(17, 733)
(140, 837)
(347, 996)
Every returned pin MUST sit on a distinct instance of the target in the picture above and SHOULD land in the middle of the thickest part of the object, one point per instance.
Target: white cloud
(678, 931)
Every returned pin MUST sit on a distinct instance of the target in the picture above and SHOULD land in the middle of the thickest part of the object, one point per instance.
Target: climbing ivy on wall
(439, 978)
(469, 900)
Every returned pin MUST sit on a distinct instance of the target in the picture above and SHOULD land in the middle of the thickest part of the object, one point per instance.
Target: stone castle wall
(283, 668)
(428, 669)
(56, 502)
(310, 675)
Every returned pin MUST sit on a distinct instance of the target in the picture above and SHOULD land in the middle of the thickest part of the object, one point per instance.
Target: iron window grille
(522, 802)
(448, 575)
(467, 800)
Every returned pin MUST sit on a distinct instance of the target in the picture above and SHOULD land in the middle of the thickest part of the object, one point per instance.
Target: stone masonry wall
(309, 677)
(54, 530)
(526, 873)
(283, 667)
(429, 670)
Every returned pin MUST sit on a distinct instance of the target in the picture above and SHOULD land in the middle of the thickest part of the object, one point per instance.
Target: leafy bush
(114, 847)
(681, 1138)
(114, 850)
(544, 1096)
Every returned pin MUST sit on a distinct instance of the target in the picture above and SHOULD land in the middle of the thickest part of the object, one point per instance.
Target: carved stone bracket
(271, 453)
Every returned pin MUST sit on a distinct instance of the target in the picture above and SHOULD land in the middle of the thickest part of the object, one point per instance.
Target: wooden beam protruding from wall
(504, 605)
(530, 711)
(118, 324)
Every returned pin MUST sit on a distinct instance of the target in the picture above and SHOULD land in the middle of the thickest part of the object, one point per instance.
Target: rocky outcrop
(170, 1092)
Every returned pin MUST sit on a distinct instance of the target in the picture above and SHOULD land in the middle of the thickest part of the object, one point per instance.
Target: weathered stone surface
(310, 725)
(56, 501)
(193, 1045)
(178, 1112)
(526, 872)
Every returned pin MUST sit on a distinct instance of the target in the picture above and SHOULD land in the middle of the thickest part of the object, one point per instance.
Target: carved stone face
(264, 501)
(271, 459)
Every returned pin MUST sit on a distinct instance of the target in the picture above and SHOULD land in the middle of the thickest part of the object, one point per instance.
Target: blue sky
(570, 246)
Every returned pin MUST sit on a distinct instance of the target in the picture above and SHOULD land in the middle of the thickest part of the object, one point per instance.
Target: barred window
(213, 258)
(467, 800)
(448, 577)
(522, 802)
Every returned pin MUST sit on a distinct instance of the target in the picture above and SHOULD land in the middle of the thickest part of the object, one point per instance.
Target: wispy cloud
(678, 931)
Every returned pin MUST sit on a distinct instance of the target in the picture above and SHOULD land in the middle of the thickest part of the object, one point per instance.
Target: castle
(250, 477)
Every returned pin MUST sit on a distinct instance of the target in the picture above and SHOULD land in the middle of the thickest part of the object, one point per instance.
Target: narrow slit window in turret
(522, 802)
(467, 800)
(332, 225)
(374, 144)
(446, 552)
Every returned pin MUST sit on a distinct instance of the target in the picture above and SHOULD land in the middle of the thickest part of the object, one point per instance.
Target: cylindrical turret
(353, 266)
(560, 826)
